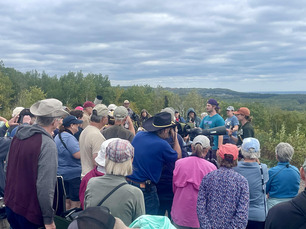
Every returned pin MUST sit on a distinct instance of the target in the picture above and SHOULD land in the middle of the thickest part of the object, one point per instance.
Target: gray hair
(284, 152)
(250, 154)
(119, 119)
(96, 118)
(119, 169)
(45, 121)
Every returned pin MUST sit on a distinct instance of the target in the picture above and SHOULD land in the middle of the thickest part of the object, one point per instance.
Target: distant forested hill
(283, 101)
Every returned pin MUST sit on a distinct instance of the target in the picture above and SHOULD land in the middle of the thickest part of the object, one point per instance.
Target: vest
(20, 193)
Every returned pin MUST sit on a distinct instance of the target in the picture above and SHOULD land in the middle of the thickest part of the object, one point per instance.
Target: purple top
(223, 200)
(187, 177)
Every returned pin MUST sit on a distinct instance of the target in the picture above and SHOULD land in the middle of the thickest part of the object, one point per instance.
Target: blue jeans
(150, 198)
(18, 221)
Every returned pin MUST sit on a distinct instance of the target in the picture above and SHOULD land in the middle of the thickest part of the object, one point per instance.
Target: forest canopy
(276, 117)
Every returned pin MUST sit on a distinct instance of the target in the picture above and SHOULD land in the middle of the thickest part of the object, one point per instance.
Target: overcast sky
(254, 45)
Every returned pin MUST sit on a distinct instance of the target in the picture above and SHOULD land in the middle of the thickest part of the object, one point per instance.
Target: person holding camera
(151, 152)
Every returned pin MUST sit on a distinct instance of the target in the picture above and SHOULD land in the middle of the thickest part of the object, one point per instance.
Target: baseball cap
(88, 104)
(70, 119)
(249, 143)
(79, 108)
(120, 112)
(230, 108)
(201, 139)
(126, 101)
(228, 149)
(119, 150)
(101, 110)
(112, 107)
(16, 111)
(100, 159)
(169, 110)
(243, 111)
(213, 102)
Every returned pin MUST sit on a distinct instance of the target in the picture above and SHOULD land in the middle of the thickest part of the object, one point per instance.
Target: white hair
(119, 169)
(284, 152)
(250, 154)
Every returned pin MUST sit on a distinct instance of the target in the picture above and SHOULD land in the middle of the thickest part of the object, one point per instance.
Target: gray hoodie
(47, 169)
(196, 120)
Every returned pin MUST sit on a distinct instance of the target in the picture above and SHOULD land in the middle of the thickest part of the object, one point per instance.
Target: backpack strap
(111, 192)
(286, 166)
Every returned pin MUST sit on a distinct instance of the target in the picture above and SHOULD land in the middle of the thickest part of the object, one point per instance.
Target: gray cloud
(240, 45)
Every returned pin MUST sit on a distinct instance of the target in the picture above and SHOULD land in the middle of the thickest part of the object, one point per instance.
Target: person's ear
(205, 151)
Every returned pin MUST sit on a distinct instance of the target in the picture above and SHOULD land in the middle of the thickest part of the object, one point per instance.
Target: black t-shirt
(245, 131)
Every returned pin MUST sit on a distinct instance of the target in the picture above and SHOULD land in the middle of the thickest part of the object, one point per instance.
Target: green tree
(6, 91)
(28, 97)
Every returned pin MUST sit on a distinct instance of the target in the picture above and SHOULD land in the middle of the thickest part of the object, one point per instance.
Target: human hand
(13, 121)
(50, 226)
(3, 119)
(129, 120)
(173, 134)
(26, 119)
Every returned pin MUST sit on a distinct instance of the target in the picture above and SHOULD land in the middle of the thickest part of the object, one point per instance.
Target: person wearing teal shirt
(210, 121)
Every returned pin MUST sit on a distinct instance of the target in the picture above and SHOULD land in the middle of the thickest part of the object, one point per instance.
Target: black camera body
(220, 130)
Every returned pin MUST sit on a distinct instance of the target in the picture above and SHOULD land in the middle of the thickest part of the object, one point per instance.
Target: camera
(183, 127)
(220, 130)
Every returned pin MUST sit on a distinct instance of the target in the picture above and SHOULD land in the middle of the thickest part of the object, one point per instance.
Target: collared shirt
(151, 152)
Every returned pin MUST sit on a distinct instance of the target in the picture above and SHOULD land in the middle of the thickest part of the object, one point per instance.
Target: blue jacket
(284, 181)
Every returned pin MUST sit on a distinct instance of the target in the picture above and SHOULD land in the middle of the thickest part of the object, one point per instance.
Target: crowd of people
(132, 171)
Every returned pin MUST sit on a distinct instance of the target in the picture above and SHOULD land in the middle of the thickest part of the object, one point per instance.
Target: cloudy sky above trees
(242, 45)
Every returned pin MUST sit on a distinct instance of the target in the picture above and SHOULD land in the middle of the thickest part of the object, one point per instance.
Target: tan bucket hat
(48, 108)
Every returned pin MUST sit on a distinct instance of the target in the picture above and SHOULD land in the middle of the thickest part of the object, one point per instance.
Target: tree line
(272, 124)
